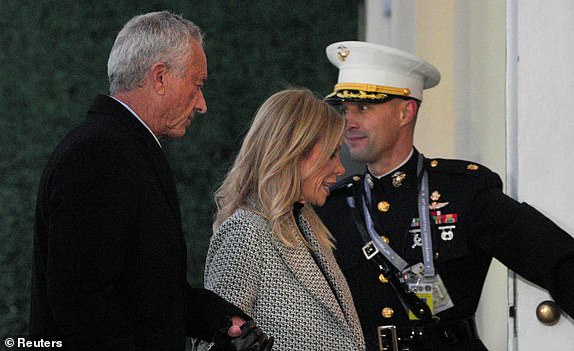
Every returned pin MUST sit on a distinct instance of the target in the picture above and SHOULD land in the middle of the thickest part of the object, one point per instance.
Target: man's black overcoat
(109, 266)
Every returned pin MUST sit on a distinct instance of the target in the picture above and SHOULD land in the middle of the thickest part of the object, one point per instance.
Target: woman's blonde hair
(284, 131)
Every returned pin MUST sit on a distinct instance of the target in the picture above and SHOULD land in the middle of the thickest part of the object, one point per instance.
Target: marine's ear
(408, 111)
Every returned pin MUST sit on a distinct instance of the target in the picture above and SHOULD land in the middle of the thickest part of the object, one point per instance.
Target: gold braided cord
(373, 88)
(345, 94)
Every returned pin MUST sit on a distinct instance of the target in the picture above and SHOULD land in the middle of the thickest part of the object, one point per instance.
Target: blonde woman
(270, 254)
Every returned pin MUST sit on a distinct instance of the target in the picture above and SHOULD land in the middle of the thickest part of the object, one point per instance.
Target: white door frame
(540, 84)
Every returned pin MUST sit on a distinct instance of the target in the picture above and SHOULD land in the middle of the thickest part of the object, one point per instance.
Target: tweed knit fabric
(296, 294)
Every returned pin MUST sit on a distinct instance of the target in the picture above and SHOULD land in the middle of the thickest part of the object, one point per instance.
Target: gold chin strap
(372, 88)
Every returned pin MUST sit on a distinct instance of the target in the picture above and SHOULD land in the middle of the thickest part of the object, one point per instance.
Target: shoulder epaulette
(442, 165)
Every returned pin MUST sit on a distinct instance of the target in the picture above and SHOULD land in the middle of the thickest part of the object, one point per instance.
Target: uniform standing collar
(407, 159)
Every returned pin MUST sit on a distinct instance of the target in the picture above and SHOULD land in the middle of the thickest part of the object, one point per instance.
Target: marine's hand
(252, 338)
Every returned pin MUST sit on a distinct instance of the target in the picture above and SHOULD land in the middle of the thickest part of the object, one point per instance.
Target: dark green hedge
(53, 61)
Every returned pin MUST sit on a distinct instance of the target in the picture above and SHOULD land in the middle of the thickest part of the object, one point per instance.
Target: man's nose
(201, 104)
(351, 120)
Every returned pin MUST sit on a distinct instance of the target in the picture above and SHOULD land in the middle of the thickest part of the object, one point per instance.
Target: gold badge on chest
(435, 205)
(398, 178)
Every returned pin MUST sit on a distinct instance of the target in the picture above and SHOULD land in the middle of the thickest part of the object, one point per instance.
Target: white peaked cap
(372, 72)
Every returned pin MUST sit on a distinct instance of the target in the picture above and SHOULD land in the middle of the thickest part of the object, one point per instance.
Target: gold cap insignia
(343, 53)
(472, 167)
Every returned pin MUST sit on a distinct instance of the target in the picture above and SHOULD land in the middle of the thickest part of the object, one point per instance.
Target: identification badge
(429, 289)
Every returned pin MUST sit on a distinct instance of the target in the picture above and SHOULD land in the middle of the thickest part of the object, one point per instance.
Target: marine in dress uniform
(470, 221)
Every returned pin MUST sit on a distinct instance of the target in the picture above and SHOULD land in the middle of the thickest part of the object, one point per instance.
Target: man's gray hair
(147, 39)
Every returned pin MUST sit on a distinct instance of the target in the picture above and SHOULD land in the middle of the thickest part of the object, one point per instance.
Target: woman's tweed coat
(296, 294)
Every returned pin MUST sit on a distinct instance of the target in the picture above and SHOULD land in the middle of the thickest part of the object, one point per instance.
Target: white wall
(479, 105)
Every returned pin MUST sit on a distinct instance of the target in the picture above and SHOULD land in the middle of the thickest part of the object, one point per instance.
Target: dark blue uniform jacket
(472, 221)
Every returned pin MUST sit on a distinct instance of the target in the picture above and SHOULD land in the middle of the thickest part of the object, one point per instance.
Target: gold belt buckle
(388, 333)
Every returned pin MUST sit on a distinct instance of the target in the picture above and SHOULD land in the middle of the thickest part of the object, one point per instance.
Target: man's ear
(409, 110)
(159, 77)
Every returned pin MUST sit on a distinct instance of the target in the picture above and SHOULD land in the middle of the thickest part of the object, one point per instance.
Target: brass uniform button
(356, 178)
(472, 167)
(385, 239)
(383, 279)
(387, 312)
(434, 163)
(383, 206)
(436, 255)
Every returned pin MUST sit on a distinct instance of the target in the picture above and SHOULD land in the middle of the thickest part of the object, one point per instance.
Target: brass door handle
(548, 312)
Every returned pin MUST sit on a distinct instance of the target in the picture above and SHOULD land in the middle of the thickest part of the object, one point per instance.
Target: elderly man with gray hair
(109, 265)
